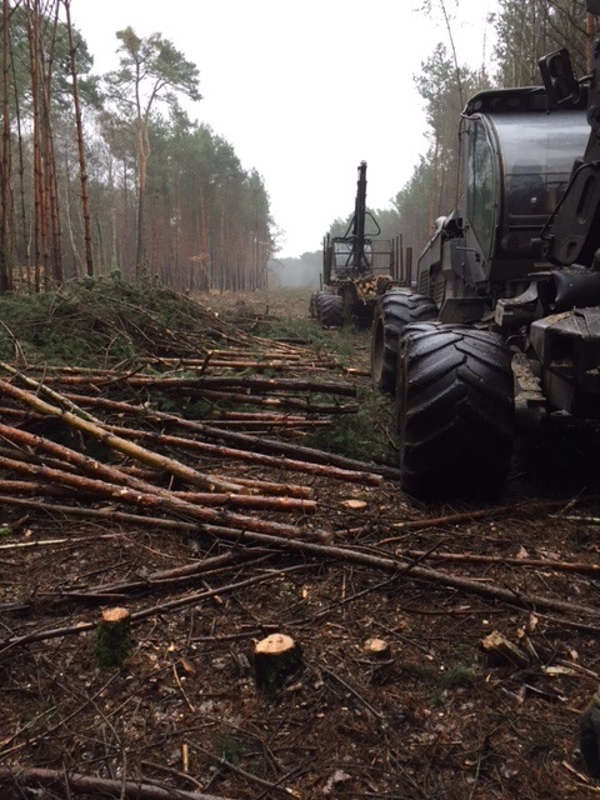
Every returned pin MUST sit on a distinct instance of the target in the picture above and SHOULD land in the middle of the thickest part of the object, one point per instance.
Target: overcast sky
(303, 89)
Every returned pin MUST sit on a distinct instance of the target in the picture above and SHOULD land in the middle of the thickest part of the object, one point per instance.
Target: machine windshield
(538, 152)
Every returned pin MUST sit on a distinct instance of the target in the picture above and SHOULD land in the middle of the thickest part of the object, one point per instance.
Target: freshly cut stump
(380, 659)
(276, 658)
(377, 648)
(113, 644)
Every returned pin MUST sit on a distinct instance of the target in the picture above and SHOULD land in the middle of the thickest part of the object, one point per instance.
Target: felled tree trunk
(276, 658)
(113, 644)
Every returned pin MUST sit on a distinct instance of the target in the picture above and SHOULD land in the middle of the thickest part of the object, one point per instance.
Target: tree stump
(276, 658)
(380, 659)
(113, 644)
(500, 650)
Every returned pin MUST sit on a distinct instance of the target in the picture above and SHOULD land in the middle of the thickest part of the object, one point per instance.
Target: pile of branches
(107, 322)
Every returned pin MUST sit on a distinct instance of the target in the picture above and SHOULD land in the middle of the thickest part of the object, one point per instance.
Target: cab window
(481, 186)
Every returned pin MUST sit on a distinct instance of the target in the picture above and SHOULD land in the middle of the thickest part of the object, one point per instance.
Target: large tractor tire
(393, 312)
(455, 412)
(329, 309)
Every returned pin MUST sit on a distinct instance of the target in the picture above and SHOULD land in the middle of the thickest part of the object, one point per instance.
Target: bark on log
(122, 445)
(246, 399)
(280, 401)
(286, 504)
(489, 590)
(480, 513)
(92, 513)
(225, 381)
(272, 487)
(369, 478)
(90, 784)
(44, 390)
(255, 443)
(177, 575)
(164, 500)
(579, 567)
(260, 444)
(89, 465)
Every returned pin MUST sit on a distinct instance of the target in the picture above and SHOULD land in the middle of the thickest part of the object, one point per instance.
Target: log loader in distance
(358, 267)
(504, 311)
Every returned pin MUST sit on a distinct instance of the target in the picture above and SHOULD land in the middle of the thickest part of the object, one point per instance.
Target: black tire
(329, 309)
(455, 412)
(312, 305)
(356, 312)
(394, 311)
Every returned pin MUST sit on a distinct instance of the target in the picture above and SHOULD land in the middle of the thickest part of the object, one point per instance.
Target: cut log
(97, 787)
(276, 659)
(258, 444)
(155, 498)
(306, 406)
(113, 644)
(279, 462)
(129, 448)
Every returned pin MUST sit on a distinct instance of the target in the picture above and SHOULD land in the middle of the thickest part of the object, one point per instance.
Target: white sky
(303, 89)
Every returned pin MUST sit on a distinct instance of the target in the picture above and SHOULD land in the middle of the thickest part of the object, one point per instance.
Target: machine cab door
(482, 182)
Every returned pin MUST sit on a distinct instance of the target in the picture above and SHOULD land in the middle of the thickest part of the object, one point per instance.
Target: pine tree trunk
(25, 254)
(82, 163)
(6, 256)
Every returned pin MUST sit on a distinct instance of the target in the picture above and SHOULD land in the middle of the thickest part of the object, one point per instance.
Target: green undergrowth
(365, 435)
(340, 343)
(95, 322)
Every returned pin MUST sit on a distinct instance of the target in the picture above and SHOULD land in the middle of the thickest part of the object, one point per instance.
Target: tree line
(107, 173)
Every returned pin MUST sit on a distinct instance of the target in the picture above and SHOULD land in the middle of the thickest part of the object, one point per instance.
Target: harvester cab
(357, 267)
(518, 157)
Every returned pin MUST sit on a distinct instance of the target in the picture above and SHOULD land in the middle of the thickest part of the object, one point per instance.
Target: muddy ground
(438, 719)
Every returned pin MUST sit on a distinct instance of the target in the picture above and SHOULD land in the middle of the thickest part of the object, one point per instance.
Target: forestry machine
(357, 268)
(504, 310)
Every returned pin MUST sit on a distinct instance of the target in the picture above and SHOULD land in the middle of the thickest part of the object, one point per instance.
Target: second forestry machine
(357, 267)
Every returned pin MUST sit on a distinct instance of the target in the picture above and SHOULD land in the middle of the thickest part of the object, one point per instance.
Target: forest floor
(437, 718)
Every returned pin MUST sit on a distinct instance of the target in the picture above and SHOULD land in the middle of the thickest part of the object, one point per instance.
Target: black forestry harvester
(357, 268)
(504, 311)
